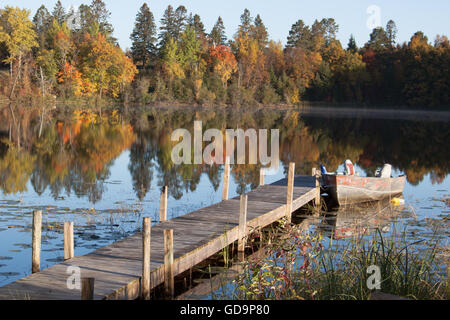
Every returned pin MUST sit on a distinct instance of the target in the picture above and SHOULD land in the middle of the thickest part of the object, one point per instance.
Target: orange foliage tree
(104, 66)
(223, 62)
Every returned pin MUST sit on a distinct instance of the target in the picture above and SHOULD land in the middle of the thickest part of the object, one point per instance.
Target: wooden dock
(117, 268)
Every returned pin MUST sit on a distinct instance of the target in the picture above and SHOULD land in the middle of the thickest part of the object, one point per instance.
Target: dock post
(87, 288)
(226, 179)
(68, 241)
(290, 191)
(242, 224)
(169, 281)
(163, 205)
(262, 174)
(145, 281)
(36, 241)
(315, 174)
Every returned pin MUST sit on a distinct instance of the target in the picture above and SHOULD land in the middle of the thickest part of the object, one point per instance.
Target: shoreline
(315, 110)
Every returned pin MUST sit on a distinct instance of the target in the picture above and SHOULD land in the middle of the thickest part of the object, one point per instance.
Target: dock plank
(198, 235)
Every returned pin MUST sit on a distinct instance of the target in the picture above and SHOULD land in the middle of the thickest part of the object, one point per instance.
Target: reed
(304, 265)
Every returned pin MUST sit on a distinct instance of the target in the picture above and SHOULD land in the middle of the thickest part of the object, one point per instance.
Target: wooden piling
(145, 281)
(315, 174)
(87, 288)
(169, 281)
(214, 231)
(262, 174)
(242, 224)
(290, 190)
(36, 241)
(226, 179)
(68, 241)
(163, 205)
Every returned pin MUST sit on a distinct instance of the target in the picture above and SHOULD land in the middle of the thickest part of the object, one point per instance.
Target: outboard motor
(386, 171)
(349, 169)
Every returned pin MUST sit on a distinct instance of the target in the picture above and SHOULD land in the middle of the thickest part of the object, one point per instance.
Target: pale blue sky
(431, 17)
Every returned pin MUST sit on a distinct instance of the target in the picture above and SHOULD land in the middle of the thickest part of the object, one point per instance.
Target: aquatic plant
(301, 265)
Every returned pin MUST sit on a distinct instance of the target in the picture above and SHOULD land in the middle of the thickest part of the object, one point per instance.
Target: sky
(353, 16)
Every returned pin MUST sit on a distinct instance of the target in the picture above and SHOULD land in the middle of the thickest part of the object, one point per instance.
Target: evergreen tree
(379, 40)
(299, 36)
(101, 15)
(85, 18)
(217, 34)
(144, 36)
(246, 22)
(391, 30)
(59, 13)
(260, 33)
(180, 22)
(168, 23)
(352, 47)
(41, 22)
(196, 23)
(328, 28)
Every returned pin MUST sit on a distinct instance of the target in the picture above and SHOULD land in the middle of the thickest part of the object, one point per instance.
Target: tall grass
(303, 265)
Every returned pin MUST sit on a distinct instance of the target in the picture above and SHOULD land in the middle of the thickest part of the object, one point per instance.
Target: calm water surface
(107, 175)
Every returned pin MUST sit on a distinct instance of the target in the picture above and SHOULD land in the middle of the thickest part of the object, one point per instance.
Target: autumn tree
(59, 40)
(251, 60)
(104, 66)
(223, 62)
(144, 36)
(172, 60)
(19, 37)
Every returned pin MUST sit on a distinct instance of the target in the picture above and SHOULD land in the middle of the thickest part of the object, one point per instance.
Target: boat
(352, 189)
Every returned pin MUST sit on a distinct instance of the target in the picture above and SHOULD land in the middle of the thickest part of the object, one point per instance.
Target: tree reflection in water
(74, 154)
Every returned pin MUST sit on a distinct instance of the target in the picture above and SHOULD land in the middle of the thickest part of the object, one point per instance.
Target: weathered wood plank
(118, 268)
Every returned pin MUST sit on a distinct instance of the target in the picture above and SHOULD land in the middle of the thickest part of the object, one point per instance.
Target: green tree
(217, 34)
(144, 36)
(299, 36)
(42, 21)
(391, 31)
(259, 32)
(246, 22)
(196, 23)
(101, 15)
(379, 40)
(352, 47)
(171, 25)
(59, 13)
(190, 47)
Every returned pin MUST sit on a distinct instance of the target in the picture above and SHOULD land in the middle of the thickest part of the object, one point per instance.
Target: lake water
(107, 175)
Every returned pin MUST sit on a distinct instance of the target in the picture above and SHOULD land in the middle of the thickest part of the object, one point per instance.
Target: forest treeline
(73, 55)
